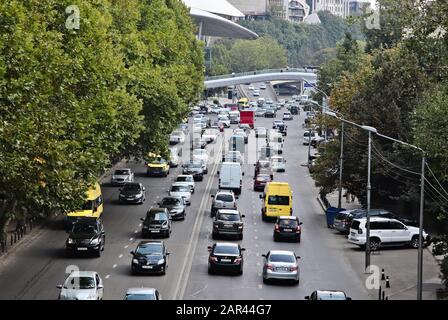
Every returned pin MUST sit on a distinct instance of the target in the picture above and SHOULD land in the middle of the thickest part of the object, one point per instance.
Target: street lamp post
(309, 148)
(341, 164)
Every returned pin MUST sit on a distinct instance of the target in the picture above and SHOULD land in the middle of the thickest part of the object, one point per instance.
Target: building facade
(341, 8)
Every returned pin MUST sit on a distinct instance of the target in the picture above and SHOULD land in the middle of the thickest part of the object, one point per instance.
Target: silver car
(82, 285)
(122, 176)
(281, 265)
(142, 294)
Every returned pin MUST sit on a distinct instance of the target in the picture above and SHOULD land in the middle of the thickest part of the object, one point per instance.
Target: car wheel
(210, 270)
(414, 242)
(296, 282)
(240, 272)
(375, 244)
(240, 237)
(275, 238)
(265, 281)
(214, 236)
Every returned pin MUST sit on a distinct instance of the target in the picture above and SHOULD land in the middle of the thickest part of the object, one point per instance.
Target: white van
(236, 143)
(234, 117)
(231, 177)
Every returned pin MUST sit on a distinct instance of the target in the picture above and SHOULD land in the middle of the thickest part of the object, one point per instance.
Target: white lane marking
(255, 223)
(135, 231)
(259, 274)
(140, 225)
(256, 238)
(107, 277)
(126, 246)
(260, 286)
(120, 256)
(114, 266)
(131, 239)
(256, 246)
(255, 230)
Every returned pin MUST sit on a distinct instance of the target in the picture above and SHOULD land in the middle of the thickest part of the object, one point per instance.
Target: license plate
(226, 260)
(82, 249)
(147, 267)
(282, 269)
(155, 231)
(287, 230)
(228, 226)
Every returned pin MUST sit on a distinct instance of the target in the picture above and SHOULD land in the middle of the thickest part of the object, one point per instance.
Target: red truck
(247, 117)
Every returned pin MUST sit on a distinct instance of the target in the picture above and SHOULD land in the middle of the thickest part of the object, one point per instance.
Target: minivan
(236, 143)
(231, 177)
(92, 207)
(277, 200)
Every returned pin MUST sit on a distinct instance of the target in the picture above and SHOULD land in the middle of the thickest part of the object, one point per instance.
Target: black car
(225, 257)
(294, 110)
(228, 223)
(196, 169)
(86, 236)
(175, 206)
(156, 223)
(269, 113)
(287, 227)
(133, 192)
(149, 257)
(282, 129)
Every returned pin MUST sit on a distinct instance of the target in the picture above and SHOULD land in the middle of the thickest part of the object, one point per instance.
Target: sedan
(261, 180)
(328, 295)
(187, 179)
(287, 116)
(269, 113)
(122, 176)
(225, 257)
(175, 206)
(287, 227)
(200, 155)
(260, 112)
(149, 257)
(281, 265)
(228, 223)
(142, 294)
(132, 193)
(180, 189)
(82, 285)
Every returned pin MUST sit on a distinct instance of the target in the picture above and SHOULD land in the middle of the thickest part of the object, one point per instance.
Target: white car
(142, 294)
(181, 189)
(210, 135)
(200, 155)
(256, 93)
(260, 132)
(287, 116)
(188, 179)
(177, 136)
(251, 88)
(278, 164)
(224, 119)
(82, 285)
(307, 137)
(384, 232)
(262, 86)
(122, 176)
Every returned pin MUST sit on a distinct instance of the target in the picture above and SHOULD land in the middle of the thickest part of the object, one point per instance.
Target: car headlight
(165, 226)
(161, 261)
(139, 195)
(135, 261)
(95, 242)
(70, 241)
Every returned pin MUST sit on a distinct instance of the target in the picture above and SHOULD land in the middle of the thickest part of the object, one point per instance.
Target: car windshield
(131, 187)
(228, 217)
(159, 160)
(80, 283)
(156, 216)
(180, 189)
(149, 248)
(226, 250)
(331, 296)
(84, 228)
(141, 296)
(121, 172)
(277, 257)
(355, 224)
(194, 165)
(277, 160)
(278, 200)
(224, 197)
(288, 223)
(171, 202)
(184, 179)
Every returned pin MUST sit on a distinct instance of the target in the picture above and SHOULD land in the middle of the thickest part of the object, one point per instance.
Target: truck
(247, 117)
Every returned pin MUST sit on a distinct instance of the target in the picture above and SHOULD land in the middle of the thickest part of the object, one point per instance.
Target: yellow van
(277, 200)
(92, 207)
(157, 166)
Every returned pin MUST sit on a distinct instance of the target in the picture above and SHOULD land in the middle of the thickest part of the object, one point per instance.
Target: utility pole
(341, 163)
(420, 235)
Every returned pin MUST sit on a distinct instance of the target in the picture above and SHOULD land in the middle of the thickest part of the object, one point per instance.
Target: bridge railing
(250, 73)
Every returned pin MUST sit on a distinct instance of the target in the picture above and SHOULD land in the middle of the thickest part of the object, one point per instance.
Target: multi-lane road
(40, 263)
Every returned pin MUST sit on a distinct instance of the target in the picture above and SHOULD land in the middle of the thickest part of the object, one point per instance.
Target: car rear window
(278, 200)
(121, 172)
(224, 197)
(228, 217)
(288, 223)
(355, 224)
(282, 258)
(226, 250)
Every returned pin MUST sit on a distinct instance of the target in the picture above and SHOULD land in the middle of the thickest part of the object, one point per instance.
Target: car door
(381, 230)
(399, 232)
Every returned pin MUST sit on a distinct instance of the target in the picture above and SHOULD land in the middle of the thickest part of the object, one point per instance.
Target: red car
(260, 181)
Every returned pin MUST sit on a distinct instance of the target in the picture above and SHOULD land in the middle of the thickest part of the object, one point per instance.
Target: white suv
(384, 232)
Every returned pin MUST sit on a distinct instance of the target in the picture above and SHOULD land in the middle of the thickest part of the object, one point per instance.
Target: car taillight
(277, 229)
(297, 229)
(359, 231)
(293, 268)
(269, 266)
(214, 259)
(215, 225)
(237, 261)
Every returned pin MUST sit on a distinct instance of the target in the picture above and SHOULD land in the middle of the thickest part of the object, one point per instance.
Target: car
(287, 116)
(224, 119)
(362, 213)
(122, 176)
(343, 219)
(225, 257)
(261, 101)
(294, 109)
(282, 128)
(149, 257)
(82, 285)
(327, 295)
(181, 189)
(256, 93)
(233, 156)
(187, 179)
(157, 166)
(210, 135)
(199, 143)
(241, 132)
(269, 113)
(385, 232)
(157, 222)
(133, 192)
(307, 136)
(228, 222)
(316, 140)
(195, 169)
(269, 101)
(263, 164)
(251, 88)
(175, 206)
(184, 128)
(260, 112)
(277, 123)
(278, 164)
(200, 155)
(142, 294)
(287, 227)
(262, 86)
(223, 199)
(246, 127)
(281, 265)
(260, 132)
(86, 236)
(261, 180)
(177, 136)
(174, 157)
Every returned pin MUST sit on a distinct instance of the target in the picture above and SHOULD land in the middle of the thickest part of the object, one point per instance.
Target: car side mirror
(144, 189)
(59, 286)
(212, 195)
(209, 248)
(298, 257)
(243, 249)
(263, 255)
(142, 219)
(243, 216)
(261, 196)
(132, 253)
(300, 223)
(237, 197)
(100, 286)
(168, 253)
(307, 297)
(158, 203)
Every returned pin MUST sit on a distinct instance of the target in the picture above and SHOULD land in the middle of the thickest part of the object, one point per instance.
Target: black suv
(156, 223)
(149, 257)
(282, 129)
(287, 227)
(228, 223)
(196, 169)
(86, 235)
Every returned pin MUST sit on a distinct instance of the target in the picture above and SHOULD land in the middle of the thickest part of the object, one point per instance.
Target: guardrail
(242, 74)
(8, 239)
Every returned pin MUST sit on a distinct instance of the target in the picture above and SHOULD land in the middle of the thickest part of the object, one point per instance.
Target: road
(327, 260)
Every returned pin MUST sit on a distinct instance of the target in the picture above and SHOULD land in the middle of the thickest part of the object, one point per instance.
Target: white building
(342, 8)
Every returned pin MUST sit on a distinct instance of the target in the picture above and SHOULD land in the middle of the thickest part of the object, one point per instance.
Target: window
(379, 225)
(393, 225)
(278, 200)
(288, 223)
(282, 258)
(226, 250)
(224, 197)
(228, 217)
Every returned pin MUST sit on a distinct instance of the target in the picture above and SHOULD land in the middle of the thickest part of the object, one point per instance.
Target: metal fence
(8, 239)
